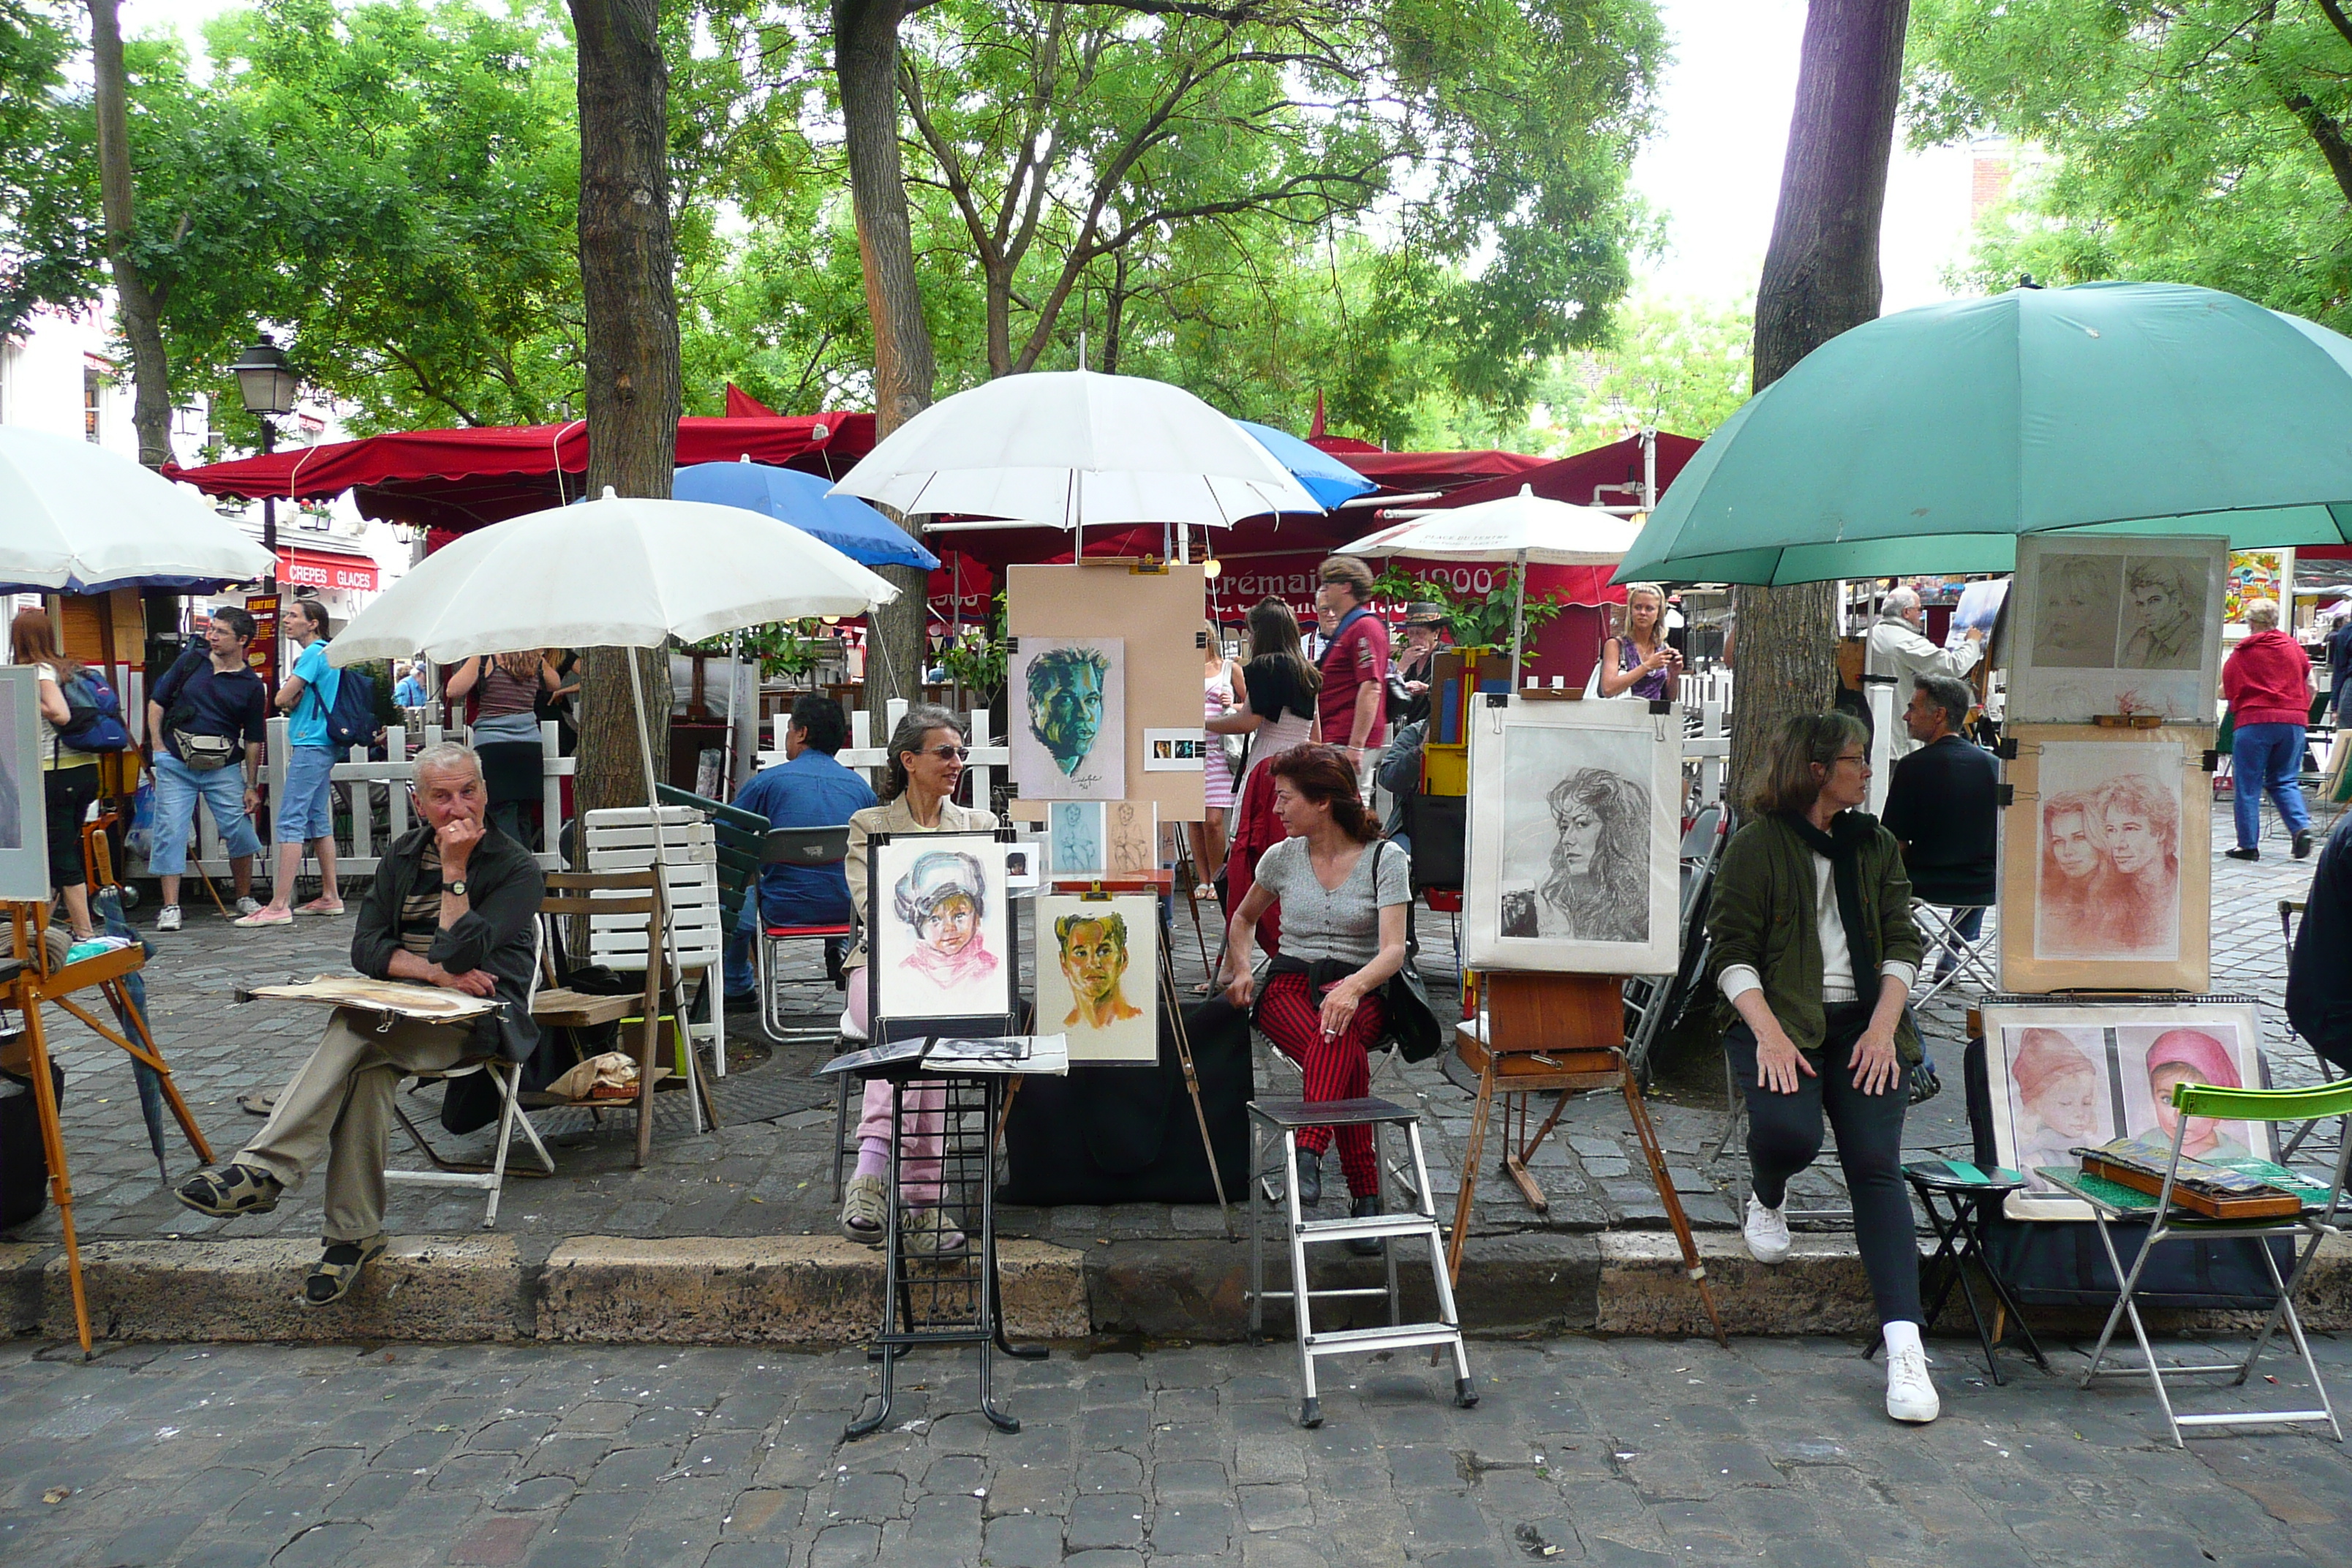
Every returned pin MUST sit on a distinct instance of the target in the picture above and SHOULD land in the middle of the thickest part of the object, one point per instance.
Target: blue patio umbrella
(846, 523)
(1320, 474)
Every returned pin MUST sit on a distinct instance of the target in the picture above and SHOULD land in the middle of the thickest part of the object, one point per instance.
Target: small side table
(1965, 1190)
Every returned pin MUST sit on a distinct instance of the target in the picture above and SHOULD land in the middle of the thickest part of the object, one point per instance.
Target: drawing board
(1097, 972)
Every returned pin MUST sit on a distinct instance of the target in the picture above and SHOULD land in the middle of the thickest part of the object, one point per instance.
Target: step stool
(1269, 1118)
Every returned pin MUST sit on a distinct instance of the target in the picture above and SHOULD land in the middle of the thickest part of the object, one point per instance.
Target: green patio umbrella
(1927, 441)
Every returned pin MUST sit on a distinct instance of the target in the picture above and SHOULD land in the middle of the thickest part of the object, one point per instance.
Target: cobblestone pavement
(773, 1176)
(1628, 1451)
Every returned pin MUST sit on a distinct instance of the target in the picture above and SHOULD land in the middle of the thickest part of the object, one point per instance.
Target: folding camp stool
(1275, 1123)
(1969, 1190)
(1939, 928)
(2165, 1221)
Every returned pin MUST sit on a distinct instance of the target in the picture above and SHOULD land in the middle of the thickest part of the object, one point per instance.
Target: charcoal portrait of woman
(1596, 884)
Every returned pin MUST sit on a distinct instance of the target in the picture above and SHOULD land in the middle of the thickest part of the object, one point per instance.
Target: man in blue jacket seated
(809, 789)
(453, 905)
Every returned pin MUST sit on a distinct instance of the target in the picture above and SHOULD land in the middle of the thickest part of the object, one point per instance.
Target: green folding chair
(2316, 1222)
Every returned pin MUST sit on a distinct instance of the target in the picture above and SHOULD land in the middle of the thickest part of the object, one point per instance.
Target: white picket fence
(355, 854)
(862, 753)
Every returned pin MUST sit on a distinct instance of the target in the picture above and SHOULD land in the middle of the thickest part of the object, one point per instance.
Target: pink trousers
(922, 1120)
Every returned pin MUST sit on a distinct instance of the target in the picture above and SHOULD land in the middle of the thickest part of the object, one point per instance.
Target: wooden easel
(32, 981)
(1556, 1034)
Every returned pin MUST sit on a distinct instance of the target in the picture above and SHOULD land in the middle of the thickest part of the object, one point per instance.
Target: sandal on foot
(927, 1233)
(230, 1191)
(335, 1275)
(258, 1102)
(864, 1210)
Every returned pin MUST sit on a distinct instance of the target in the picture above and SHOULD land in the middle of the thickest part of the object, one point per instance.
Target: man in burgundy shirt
(1353, 705)
(2267, 679)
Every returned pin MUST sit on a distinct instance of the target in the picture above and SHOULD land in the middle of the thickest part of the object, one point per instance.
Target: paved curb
(818, 1292)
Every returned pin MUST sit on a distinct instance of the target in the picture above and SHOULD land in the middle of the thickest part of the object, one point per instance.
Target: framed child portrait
(1574, 821)
(1098, 974)
(2064, 1077)
(941, 942)
(2105, 874)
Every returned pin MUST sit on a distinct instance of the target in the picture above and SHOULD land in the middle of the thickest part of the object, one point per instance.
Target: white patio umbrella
(1069, 448)
(612, 573)
(1517, 529)
(77, 518)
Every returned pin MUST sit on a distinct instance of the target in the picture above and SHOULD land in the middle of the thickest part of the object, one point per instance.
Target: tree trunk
(1821, 278)
(866, 66)
(626, 263)
(142, 311)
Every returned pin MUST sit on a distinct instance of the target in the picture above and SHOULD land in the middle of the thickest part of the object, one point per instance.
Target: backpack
(93, 715)
(351, 718)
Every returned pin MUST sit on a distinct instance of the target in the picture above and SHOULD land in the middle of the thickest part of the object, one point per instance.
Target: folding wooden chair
(508, 1076)
(2166, 1220)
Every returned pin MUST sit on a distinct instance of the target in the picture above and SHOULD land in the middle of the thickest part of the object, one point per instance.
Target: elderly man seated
(452, 906)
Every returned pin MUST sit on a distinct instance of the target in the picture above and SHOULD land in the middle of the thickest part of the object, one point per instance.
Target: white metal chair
(811, 848)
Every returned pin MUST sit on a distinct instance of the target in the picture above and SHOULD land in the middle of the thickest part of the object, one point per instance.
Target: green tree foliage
(2193, 140)
(1669, 364)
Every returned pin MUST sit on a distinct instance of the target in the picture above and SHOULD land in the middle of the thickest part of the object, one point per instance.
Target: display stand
(27, 981)
(1558, 1033)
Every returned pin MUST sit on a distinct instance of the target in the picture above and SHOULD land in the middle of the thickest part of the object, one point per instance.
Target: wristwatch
(457, 886)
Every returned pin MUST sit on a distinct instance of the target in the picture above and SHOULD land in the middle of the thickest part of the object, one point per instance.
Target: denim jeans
(177, 788)
(2266, 757)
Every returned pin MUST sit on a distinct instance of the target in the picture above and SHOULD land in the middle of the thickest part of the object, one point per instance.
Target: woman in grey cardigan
(1814, 953)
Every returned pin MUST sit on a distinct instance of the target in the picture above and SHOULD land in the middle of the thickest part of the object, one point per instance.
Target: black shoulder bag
(1410, 1022)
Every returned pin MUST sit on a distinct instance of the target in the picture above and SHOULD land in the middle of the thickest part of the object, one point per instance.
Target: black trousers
(65, 796)
(1784, 1136)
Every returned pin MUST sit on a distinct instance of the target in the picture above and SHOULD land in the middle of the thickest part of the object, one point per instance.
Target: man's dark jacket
(2319, 973)
(499, 932)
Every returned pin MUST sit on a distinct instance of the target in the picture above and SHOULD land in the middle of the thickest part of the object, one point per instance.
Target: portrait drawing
(2109, 873)
(24, 844)
(1574, 811)
(2157, 1057)
(1134, 837)
(1069, 739)
(941, 933)
(2114, 625)
(1075, 837)
(1098, 975)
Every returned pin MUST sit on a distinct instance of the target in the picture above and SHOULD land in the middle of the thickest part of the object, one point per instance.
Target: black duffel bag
(1119, 1134)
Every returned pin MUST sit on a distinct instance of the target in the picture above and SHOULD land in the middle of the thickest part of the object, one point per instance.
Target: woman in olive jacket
(1814, 952)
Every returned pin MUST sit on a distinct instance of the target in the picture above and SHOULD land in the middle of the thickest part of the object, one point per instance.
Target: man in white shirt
(1898, 648)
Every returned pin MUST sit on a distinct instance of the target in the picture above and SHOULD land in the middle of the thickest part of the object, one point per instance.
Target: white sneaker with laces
(247, 906)
(1910, 1392)
(168, 918)
(1767, 1233)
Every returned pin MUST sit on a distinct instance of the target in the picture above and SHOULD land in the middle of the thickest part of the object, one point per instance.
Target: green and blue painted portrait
(1065, 703)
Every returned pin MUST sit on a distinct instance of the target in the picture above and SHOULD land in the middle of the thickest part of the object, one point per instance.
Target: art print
(1097, 972)
(1069, 720)
(1024, 864)
(2066, 1077)
(1574, 817)
(2106, 625)
(1132, 845)
(1075, 837)
(1174, 750)
(942, 941)
(23, 841)
(2105, 872)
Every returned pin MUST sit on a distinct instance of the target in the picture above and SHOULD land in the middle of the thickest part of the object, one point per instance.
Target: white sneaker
(1910, 1393)
(248, 905)
(168, 918)
(1767, 1233)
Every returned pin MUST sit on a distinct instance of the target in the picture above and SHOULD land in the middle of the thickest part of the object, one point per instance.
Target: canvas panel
(1076, 837)
(2064, 1077)
(1097, 969)
(2107, 623)
(2105, 878)
(23, 839)
(1068, 700)
(1574, 822)
(1131, 848)
(942, 928)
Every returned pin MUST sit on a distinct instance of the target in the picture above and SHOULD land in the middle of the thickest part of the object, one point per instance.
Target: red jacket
(2268, 680)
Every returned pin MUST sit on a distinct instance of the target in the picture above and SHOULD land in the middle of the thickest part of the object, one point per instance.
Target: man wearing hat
(1408, 674)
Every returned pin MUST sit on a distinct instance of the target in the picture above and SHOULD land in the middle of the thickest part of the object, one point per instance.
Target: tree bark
(865, 68)
(140, 310)
(627, 262)
(1821, 278)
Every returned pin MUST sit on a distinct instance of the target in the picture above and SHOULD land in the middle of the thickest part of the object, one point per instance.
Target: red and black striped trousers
(1336, 1068)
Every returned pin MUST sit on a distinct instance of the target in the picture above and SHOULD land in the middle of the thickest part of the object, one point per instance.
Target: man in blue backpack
(307, 814)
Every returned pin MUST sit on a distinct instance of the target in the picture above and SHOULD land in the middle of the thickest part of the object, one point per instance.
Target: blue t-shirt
(306, 725)
(810, 791)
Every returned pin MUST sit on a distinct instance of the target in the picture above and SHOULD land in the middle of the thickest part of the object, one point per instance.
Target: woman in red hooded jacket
(2267, 682)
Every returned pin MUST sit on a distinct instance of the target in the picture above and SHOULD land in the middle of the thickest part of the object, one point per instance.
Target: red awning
(1407, 473)
(462, 479)
(1573, 480)
(325, 569)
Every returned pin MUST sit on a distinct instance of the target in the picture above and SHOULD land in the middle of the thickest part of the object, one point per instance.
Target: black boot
(1366, 1245)
(1310, 1178)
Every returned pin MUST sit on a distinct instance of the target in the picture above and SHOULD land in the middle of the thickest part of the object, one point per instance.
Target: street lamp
(265, 382)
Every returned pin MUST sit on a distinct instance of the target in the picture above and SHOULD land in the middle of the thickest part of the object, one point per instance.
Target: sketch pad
(429, 1003)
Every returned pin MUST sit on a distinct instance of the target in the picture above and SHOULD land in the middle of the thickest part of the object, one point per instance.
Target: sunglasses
(949, 754)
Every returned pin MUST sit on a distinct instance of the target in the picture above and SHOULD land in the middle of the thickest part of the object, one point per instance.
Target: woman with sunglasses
(928, 750)
(1814, 953)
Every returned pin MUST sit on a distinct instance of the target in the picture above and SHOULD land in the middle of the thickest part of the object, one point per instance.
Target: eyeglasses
(1861, 759)
(949, 754)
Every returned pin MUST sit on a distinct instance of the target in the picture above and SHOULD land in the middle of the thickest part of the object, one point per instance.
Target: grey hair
(2263, 615)
(1952, 696)
(1899, 601)
(447, 757)
(921, 721)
